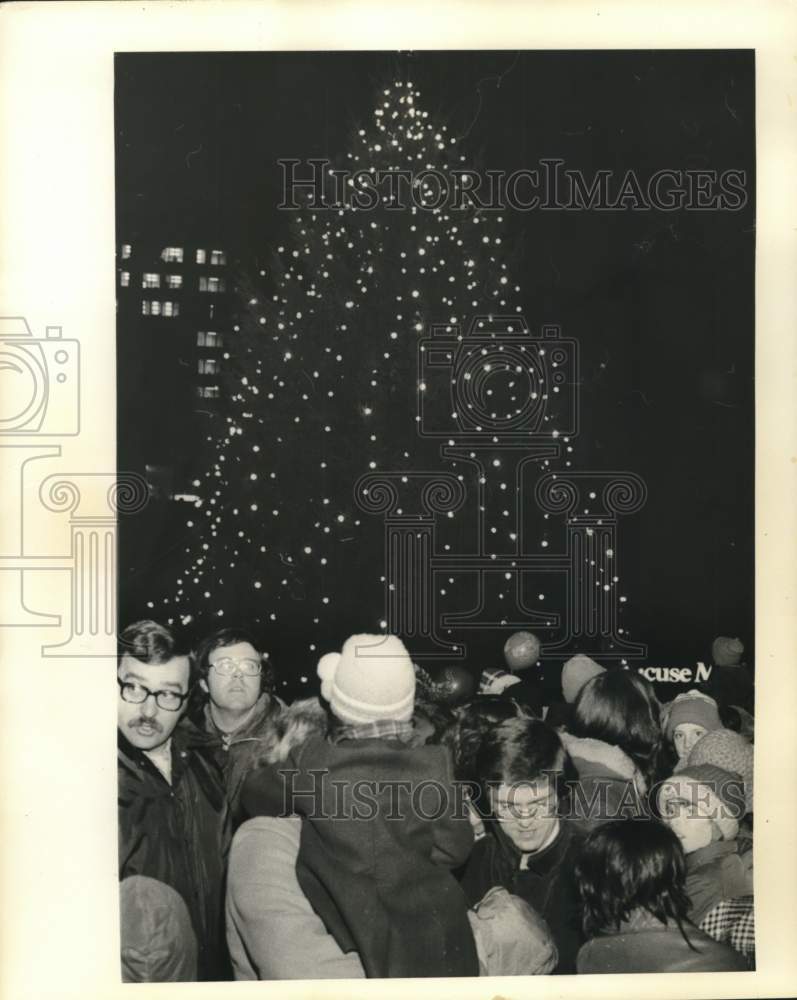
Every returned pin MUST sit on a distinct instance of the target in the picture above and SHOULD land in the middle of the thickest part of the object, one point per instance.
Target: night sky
(661, 304)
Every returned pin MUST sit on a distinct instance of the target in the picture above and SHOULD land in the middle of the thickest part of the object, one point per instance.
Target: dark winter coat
(237, 753)
(381, 882)
(650, 946)
(178, 833)
(547, 883)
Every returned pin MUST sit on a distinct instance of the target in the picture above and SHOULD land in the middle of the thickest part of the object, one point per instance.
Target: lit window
(208, 366)
(124, 279)
(150, 280)
(154, 308)
(201, 256)
(208, 391)
(211, 311)
(174, 281)
(211, 284)
(208, 338)
(144, 307)
(218, 257)
(172, 255)
(126, 250)
(171, 308)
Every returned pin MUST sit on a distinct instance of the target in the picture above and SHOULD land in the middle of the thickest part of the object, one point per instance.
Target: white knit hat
(371, 678)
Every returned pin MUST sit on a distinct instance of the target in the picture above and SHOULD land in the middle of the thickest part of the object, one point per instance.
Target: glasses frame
(151, 694)
(232, 666)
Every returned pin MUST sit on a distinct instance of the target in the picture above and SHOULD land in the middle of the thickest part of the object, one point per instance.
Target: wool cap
(371, 678)
(521, 650)
(729, 750)
(727, 652)
(575, 674)
(715, 793)
(694, 707)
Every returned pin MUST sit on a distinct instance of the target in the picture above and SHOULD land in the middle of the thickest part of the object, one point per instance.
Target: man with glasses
(173, 818)
(241, 708)
(523, 776)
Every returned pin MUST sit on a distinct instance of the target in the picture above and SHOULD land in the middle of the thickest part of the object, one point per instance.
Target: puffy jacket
(178, 833)
(650, 946)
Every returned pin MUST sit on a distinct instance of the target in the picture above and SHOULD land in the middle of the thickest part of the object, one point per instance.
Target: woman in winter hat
(382, 825)
(702, 805)
(689, 717)
(730, 751)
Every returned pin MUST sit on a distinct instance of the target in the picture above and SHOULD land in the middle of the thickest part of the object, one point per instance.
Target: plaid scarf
(379, 729)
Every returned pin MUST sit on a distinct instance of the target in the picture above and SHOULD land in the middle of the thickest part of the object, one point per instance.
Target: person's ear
(203, 685)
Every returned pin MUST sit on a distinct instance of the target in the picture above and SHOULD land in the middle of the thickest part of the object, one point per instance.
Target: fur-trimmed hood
(599, 758)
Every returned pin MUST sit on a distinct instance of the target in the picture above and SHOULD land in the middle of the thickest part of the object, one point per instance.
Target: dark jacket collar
(543, 862)
(265, 706)
(185, 737)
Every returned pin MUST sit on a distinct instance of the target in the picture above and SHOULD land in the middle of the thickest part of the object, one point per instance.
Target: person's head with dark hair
(154, 674)
(523, 771)
(435, 723)
(474, 719)
(620, 707)
(630, 865)
(234, 673)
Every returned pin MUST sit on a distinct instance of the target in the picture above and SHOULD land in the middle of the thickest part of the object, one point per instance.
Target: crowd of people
(407, 823)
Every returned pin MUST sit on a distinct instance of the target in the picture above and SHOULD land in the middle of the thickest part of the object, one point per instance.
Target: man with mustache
(173, 817)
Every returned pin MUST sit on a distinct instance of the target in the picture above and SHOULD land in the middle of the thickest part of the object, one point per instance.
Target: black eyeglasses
(137, 694)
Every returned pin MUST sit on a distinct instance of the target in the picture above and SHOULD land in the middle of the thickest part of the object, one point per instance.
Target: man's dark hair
(521, 751)
(631, 864)
(151, 642)
(230, 637)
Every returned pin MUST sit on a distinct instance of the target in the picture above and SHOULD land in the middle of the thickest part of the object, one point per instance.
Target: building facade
(174, 324)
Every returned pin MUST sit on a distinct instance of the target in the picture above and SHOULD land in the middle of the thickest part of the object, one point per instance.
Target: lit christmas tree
(322, 386)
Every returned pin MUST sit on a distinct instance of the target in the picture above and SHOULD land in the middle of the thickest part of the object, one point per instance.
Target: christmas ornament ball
(521, 650)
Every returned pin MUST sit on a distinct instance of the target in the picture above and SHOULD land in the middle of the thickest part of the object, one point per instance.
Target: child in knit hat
(702, 804)
(687, 718)
(382, 824)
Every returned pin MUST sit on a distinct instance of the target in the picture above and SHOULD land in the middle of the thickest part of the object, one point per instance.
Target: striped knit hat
(371, 678)
(729, 750)
(694, 707)
(715, 793)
